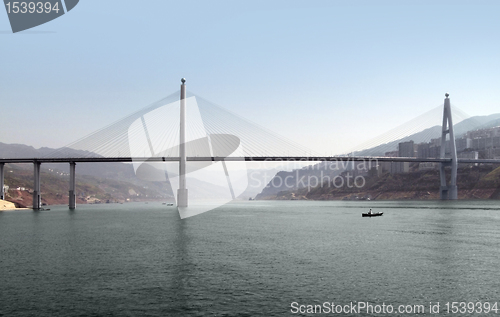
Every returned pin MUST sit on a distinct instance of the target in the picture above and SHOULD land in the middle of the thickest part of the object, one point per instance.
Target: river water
(258, 258)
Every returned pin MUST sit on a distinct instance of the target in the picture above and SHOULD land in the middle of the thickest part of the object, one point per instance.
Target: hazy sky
(327, 74)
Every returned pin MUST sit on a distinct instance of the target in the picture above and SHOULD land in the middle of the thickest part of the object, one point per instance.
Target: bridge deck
(245, 158)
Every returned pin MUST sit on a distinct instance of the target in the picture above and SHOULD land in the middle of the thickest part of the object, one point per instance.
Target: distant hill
(118, 171)
(117, 178)
(472, 123)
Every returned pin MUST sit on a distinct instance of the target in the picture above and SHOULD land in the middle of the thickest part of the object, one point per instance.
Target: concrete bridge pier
(72, 179)
(37, 198)
(2, 193)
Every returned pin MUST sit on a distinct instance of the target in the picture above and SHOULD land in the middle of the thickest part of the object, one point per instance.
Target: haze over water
(246, 259)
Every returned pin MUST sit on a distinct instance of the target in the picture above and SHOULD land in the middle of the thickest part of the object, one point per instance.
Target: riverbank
(7, 205)
(474, 182)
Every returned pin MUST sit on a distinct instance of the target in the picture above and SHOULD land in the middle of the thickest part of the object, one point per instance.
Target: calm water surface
(246, 259)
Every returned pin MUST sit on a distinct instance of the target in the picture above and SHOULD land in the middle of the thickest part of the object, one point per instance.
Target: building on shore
(477, 144)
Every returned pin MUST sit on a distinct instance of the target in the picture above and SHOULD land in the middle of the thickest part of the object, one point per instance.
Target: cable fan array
(154, 132)
(421, 129)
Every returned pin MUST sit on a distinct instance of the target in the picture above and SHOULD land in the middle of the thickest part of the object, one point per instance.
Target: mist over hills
(118, 171)
(117, 180)
(472, 123)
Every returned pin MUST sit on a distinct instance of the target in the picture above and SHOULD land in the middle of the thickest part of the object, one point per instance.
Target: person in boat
(370, 212)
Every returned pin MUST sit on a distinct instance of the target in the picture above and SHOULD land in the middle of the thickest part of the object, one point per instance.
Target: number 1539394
(31, 7)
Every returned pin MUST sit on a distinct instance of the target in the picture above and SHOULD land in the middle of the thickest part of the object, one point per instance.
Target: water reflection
(442, 253)
(181, 269)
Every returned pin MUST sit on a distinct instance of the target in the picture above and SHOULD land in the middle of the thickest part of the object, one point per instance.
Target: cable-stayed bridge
(187, 135)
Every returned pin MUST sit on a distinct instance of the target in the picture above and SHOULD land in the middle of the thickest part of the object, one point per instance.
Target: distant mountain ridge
(469, 124)
(118, 171)
(26, 151)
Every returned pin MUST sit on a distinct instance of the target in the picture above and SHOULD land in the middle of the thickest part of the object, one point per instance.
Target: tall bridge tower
(448, 191)
(182, 192)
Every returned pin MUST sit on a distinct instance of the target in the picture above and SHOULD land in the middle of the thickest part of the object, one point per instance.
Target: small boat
(372, 214)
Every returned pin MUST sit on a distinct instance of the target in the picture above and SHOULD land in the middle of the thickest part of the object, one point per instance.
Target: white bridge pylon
(227, 179)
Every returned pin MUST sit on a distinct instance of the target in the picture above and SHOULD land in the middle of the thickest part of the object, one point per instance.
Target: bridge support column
(2, 192)
(448, 191)
(72, 179)
(37, 198)
(182, 192)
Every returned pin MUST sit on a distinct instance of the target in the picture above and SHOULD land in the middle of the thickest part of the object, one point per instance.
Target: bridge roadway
(248, 159)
